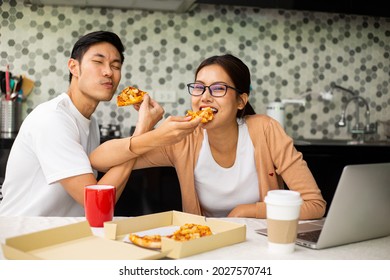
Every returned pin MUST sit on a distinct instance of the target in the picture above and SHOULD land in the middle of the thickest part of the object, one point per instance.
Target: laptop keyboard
(310, 235)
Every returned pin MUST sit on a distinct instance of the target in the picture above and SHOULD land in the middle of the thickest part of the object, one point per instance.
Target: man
(48, 166)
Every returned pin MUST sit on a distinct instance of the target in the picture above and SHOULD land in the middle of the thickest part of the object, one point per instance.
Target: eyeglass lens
(215, 90)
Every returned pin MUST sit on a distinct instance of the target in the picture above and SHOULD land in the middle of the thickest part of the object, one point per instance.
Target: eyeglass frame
(211, 91)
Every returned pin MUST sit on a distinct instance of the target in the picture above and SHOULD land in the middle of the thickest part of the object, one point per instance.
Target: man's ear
(73, 67)
(242, 100)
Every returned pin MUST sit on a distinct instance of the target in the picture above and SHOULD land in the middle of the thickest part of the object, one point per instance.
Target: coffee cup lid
(283, 197)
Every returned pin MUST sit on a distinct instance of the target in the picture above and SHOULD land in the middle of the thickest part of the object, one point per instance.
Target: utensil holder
(10, 115)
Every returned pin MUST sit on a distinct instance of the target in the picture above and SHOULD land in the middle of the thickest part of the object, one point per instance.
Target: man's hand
(150, 113)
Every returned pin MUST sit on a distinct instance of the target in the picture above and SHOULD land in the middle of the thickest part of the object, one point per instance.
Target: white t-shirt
(222, 189)
(53, 143)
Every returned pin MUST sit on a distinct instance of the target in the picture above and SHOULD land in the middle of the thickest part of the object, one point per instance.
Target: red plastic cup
(99, 204)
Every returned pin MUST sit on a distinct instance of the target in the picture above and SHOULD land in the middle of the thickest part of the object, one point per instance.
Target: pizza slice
(206, 114)
(184, 233)
(190, 232)
(130, 96)
(147, 241)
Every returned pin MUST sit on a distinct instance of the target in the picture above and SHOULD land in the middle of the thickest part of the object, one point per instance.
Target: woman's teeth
(213, 109)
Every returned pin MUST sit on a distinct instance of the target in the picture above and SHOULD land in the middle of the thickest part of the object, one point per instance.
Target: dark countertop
(6, 140)
(340, 142)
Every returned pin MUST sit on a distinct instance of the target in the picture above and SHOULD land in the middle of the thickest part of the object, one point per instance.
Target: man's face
(99, 72)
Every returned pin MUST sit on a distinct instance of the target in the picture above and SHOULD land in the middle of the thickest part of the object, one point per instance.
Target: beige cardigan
(276, 159)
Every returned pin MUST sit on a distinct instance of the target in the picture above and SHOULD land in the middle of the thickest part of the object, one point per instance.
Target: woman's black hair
(85, 42)
(238, 73)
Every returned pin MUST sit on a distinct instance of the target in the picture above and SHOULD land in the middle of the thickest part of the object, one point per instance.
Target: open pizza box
(224, 233)
(71, 242)
(77, 241)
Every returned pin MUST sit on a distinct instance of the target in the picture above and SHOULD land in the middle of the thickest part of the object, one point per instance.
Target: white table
(255, 246)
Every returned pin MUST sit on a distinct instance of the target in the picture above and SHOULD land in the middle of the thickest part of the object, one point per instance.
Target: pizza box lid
(72, 242)
(225, 233)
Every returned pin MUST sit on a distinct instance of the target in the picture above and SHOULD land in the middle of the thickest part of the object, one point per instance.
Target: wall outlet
(164, 96)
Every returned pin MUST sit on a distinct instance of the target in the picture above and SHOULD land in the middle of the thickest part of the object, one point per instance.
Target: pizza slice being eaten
(130, 96)
(206, 114)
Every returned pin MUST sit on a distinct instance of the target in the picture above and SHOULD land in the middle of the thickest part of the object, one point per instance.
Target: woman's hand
(174, 129)
(243, 211)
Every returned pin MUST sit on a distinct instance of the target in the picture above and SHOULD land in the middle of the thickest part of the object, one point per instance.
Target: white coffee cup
(283, 209)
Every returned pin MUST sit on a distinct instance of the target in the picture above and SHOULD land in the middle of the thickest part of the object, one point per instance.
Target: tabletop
(255, 246)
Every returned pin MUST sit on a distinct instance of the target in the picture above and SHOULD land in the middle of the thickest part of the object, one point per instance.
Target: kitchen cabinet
(6, 142)
(150, 190)
(326, 162)
(372, 8)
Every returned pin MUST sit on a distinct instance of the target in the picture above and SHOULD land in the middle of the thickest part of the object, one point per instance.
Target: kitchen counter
(340, 142)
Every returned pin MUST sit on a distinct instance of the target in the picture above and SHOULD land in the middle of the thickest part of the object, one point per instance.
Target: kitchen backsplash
(289, 53)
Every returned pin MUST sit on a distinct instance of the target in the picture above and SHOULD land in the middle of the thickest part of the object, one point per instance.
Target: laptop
(360, 209)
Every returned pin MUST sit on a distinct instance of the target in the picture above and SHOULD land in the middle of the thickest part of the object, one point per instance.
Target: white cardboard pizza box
(72, 242)
(224, 233)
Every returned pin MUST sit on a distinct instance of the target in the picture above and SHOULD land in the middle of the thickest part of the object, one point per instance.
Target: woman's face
(225, 108)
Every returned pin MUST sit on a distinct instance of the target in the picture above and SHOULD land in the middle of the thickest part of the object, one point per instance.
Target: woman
(226, 166)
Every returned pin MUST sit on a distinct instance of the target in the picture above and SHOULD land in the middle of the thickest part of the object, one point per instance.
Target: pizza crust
(130, 96)
(147, 241)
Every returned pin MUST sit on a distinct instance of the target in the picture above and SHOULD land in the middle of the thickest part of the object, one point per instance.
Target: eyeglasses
(216, 90)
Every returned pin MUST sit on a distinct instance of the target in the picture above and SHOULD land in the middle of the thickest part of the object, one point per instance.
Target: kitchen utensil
(2, 82)
(15, 85)
(7, 84)
(13, 95)
(27, 86)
